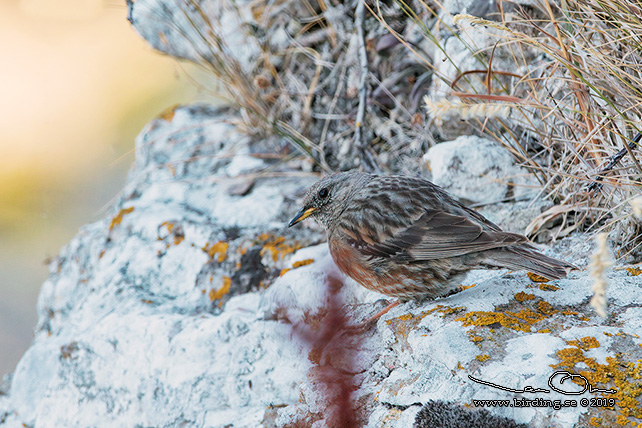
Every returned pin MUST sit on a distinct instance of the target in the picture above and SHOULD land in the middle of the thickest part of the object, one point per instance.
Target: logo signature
(555, 387)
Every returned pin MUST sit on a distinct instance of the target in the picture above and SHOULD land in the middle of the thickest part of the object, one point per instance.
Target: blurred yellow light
(62, 9)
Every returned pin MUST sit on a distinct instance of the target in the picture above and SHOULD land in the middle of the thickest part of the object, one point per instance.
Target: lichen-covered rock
(192, 304)
(139, 314)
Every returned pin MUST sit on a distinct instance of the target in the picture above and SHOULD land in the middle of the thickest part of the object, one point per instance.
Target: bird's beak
(301, 215)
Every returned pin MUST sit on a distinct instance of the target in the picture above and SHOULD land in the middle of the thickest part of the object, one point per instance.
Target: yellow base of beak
(301, 215)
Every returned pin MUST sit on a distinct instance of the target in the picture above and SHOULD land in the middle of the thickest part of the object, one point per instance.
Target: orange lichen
(284, 271)
(477, 340)
(623, 376)
(178, 237)
(482, 358)
(545, 308)
(119, 217)
(518, 321)
(220, 249)
(548, 287)
(536, 278)
(585, 343)
(302, 263)
(406, 323)
(168, 114)
(473, 338)
(522, 297)
(447, 310)
(296, 265)
(277, 247)
(596, 422)
(405, 327)
(404, 317)
(634, 271)
(225, 288)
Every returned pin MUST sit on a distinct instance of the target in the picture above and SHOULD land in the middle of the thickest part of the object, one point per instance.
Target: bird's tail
(527, 257)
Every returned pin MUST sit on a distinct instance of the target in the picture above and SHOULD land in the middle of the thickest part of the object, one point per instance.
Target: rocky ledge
(192, 304)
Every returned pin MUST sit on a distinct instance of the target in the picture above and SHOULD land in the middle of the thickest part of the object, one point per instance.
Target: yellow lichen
(277, 246)
(634, 271)
(518, 321)
(475, 339)
(585, 343)
(296, 265)
(225, 288)
(622, 420)
(546, 308)
(220, 249)
(178, 237)
(405, 324)
(168, 114)
(302, 263)
(548, 287)
(119, 217)
(522, 297)
(623, 376)
(482, 358)
(536, 278)
(447, 310)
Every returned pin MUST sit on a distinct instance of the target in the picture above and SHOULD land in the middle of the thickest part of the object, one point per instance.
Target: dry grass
(559, 86)
(576, 101)
(303, 85)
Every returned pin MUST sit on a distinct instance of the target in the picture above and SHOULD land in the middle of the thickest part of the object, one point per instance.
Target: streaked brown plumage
(406, 237)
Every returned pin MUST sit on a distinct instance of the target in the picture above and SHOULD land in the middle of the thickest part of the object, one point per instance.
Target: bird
(406, 237)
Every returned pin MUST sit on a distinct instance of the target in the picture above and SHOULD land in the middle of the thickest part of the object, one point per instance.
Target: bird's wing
(437, 234)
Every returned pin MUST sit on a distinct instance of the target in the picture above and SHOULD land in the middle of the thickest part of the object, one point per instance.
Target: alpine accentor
(407, 238)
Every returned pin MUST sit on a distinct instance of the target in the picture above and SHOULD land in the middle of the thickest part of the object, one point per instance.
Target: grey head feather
(332, 194)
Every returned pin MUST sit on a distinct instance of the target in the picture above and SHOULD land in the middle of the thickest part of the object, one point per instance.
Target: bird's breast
(351, 262)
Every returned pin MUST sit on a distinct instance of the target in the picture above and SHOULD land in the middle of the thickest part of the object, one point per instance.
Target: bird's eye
(323, 193)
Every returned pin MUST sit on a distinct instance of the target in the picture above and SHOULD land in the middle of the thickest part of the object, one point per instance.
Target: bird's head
(328, 197)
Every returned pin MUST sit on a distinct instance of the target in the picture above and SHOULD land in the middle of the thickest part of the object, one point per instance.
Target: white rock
(136, 326)
(476, 170)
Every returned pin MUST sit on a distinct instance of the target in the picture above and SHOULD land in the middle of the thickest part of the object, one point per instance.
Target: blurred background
(77, 84)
